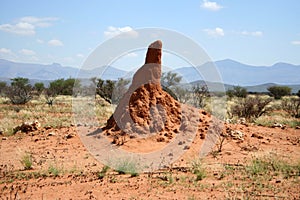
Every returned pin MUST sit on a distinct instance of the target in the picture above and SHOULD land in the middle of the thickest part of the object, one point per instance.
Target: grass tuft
(198, 169)
(26, 161)
(127, 166)
(103, 172)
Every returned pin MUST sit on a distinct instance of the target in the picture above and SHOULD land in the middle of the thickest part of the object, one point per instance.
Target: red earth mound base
(154, 113)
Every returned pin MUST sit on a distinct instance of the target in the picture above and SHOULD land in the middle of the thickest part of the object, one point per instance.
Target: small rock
(170, 154)
(69, 135)
(28, 127)
(51, 134)
(297, 127)
(278, 181)
(186, 147)
(257, 136)
(278, 125)
(4, 138)
(237, 135)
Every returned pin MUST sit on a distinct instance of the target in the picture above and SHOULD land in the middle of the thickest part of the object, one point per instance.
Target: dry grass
(56, 116)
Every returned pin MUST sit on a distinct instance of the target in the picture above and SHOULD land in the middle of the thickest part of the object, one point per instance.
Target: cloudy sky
(253, 32)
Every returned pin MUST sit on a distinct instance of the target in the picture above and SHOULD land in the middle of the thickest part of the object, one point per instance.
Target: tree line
(20, 91)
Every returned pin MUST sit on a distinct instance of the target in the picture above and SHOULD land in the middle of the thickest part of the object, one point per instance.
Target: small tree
(279, 91)
(291, 106)
(2, 87)
(200, 93)
(105, 89)
(182, 94)
(39, 88)
(298, 93)
(120, 87)
(68, 86)
(237, 91)
(251, 107)
(20, 91)
(55, 88)
(169, 79)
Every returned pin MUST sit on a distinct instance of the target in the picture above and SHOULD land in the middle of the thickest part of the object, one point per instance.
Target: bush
(279, 91)
(170, 79)
(182, 94)
(60, 87)
(2, 87)
(291, 106)
(26, 161)
(127, 166)
(20, 91)
(200, 94)
(250, 107)
(298, 93)
(111, 91)
(39, 88)
(237, 91)
(198, 169)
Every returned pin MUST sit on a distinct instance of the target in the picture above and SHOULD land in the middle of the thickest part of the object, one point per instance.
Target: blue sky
(256, 32)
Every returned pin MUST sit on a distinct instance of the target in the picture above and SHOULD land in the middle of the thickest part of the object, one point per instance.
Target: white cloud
(21, 28)
(27, 52)
(131, 55)
(114, 31)
(254, 33)
(5, 51)
(210, 5)
(79, 55)
(27, 25)
(39, 22)
(295, 42)
(217, 32)
(55, 42)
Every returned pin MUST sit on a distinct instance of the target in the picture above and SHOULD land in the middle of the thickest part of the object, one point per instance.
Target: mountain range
(231, 72)
(235, 73)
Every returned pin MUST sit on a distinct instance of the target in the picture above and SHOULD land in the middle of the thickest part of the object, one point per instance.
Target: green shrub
(237, 91)
(198, 169)
(291, 106)
(127, 166)
(102, 173)
(279, 91)
(26, 161)
(250, 107)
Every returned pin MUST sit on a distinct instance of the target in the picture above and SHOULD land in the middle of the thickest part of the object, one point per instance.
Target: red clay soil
(78, 170)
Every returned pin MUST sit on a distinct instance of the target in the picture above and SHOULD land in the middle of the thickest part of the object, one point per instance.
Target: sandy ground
(77, 171)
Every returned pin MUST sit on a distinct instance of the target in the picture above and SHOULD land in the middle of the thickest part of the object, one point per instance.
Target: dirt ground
(62, 168)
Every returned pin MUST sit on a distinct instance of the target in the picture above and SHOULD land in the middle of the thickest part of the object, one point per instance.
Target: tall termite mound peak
(145, 108)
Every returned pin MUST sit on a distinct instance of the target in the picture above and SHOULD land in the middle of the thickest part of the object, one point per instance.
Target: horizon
(54, 32)
(120, 67)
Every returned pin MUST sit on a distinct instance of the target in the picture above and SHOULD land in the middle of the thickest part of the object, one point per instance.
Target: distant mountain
(254, 78)
(9, 69)
(235, 73)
